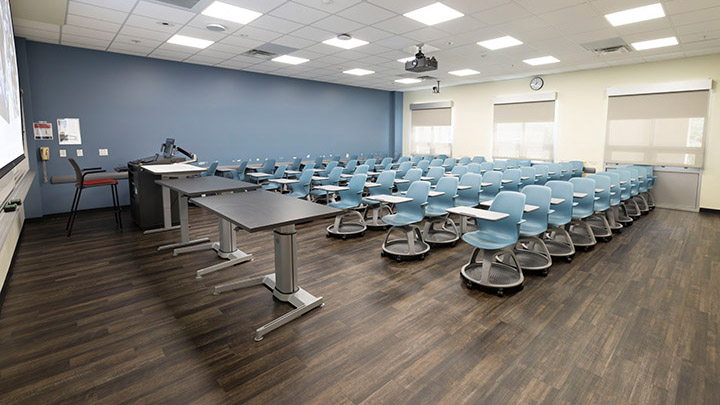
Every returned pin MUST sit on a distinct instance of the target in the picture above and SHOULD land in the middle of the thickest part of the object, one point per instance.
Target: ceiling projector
(421, 63)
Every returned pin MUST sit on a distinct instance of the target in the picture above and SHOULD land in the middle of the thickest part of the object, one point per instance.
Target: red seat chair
(81, 184)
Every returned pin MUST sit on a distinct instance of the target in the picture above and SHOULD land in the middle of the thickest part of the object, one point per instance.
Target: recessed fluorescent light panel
(434, 14)
(464, 72)
(409, 80)
(189, 41)
(345, 43)
(499, 43)
(359, 72)
(229, 12)
(290, 60)
(541, 61)
(408, 59)
(634, 15)
(655, 43)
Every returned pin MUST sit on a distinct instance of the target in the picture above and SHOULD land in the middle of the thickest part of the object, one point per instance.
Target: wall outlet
(79, 152)
(63, 153)
(102, 152)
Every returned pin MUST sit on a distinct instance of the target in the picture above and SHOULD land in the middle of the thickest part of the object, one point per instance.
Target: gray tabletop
(206, 185)
(264, 209)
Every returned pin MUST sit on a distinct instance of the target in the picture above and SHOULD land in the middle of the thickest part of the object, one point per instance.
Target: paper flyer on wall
(43, 131)
(69, 131)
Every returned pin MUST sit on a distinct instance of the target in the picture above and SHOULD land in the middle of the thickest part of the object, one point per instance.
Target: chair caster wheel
(382, 254)
(398, 259)
(327, 235)
(344, 237)
(606, 239)
(469, 285)
(422, 257)
(500, 293)
(544, 273)
(454, 244)
(569, 259)
(362, 234)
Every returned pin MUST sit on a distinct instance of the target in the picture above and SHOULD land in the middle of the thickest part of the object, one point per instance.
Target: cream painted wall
(581, 111)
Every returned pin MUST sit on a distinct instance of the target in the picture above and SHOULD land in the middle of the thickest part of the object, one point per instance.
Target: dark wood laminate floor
(104, 318)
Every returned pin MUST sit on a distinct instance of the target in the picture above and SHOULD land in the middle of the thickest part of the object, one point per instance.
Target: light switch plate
(63, 153)
(102, 152)
(79, 152)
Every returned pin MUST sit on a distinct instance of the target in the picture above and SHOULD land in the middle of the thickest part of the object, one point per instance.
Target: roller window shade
(439, 117)
(657, 129)
(431, 131)
(524, 130)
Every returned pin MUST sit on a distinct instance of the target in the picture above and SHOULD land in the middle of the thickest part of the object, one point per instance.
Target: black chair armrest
(89, 171)
(92, 168)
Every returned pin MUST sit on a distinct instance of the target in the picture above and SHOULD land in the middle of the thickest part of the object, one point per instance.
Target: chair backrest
(279, 172)
(403, 168)
(442, 156)
(415, 209)
(512, 163)
(336, 158)
(625, 187)
(450, 163)
(353, 157)
(635, 184)
(511, 203)
(614, 186)
(295, 165)
(423, 165)
(211, 169)
(386, 163)
(268, 166)
(554, 171)
(387, 181)
(540, 197)
(459, 170)
(436, 173)
(303, 184)
(602, 202)
(563, 211)
(353, 194)
(403, 159)
(524, 163)
(586, 205)
(577, 166)
(464, 160)
(542, 170)
(429, 157)
(413, 175)
(495, 178)
(361, 169)
(416, 159)
(528, 172)
(78, 172)
(473, 168)
(566, 168)
(370, 163)
(486, 167)
(319, 161)
(469, 197)
(514, 176)
(642, 178)
(478, 159)
(500, 165)
(333, 177)
(330, 166)
(239, 173)
(436, 163)
(311, 165)
(350, 165)
(447, 185)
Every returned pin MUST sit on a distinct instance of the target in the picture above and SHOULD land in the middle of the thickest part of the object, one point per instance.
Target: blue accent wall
(130, 104)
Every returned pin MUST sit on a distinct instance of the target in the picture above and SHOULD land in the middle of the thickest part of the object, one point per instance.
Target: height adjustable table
(260, 211)
(170, 171)
(187, 188)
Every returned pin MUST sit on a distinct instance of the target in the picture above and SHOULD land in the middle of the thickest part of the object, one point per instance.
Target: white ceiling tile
(167, 56)
(261, 6)
(46, 40)
(612, 6)
(713, 43)
(313, 34)
(240, 42)
(271, 23)
(323, 49)
(99, 13)
(592, 36)
(396, 42)
(544, 6)
(399, 25)
(215, 54)
(174, 49)
(684, 6)
(468, 7)
(502, 14)
(426, 34)
(232, 64)
(298, 13)
(83, 45)
(702, 51)
(33, 33)
(293, 42)
(86, 32)
(207, 60)
(135, 48)
(201, 33)
(573, 26)
(116, 49)
(705, 27)
(338, 25)
(36, 25)
(366, 13)
(331, 60)
(645, 26)
(257, 34)
(372, 49)
(461, 25)
(143, 33)
(76, 39)
(402, 6)
(370, 34)
(121, 5)
(139, 41)
(331, 7)
(151, 24)
(228, 48)
(698, 16)
(92, 23)
(202, 21)
(163, 13)
(645, 36)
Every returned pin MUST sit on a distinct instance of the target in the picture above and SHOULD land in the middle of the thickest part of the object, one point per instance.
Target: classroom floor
(104, 318)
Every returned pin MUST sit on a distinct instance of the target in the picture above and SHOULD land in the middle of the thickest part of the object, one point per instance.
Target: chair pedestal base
(533, 255)
(641, 203)
(374, 221)
(650, 200)
(440, 231)
(613, 217)
(412, 246)
(344, 227)
(624, 214)
(492, 272)
(600, 226)
(581, 234)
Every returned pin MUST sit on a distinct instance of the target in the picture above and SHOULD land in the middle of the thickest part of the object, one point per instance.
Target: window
(524, 130)
(657, 129)
(431, 129)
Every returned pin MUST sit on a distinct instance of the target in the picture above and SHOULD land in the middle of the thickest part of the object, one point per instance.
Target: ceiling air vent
(607, 46)
(269, 51)
(180, 3)
(259, 53)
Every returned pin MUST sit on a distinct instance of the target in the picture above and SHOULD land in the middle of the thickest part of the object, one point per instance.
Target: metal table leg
(283, 283)
(167, 208)
(184, 228)
(226, 249)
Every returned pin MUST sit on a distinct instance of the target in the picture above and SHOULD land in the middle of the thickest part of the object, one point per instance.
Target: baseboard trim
(709, 211)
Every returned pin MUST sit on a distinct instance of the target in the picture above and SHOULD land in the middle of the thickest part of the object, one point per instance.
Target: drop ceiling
(546, 27)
